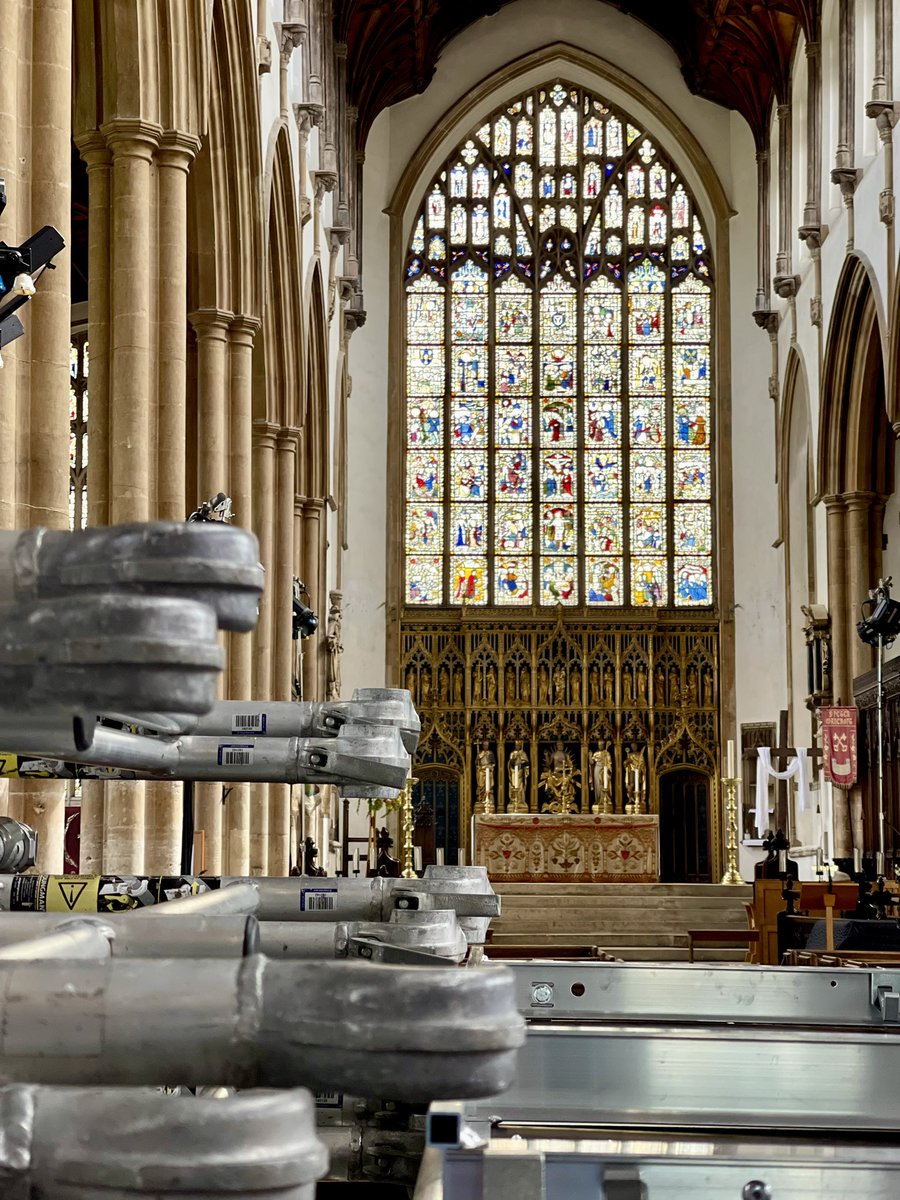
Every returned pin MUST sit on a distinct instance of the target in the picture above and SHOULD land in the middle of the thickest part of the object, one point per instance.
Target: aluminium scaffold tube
(166, 936)
(82, 1143)
(403, 1033)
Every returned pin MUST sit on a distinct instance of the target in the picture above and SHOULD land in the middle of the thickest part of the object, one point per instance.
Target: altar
(578, 848)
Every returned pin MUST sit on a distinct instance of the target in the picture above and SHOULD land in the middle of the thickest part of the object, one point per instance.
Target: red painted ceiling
(734, 52)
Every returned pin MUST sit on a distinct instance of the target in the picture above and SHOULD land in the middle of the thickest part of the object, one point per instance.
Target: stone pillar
(174, 159)
(264, 440)
(313, 530)
(98, 159)
(240, 669)
(211, 327)
(133, 144)
(279, 795)
(50, 325)
(93, 803)
(836, 519)
(859, 580)
(10, 17)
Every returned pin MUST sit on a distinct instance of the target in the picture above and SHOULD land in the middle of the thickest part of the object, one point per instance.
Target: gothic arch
(315, 481)
(224, 199)
(854, 454)
(277, 398)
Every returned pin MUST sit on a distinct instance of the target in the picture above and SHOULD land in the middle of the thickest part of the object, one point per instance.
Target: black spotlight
(882, 624)
(305, 621)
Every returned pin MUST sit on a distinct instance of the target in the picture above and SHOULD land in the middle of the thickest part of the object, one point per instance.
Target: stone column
(50, 324)
(133, 144)
(240, 670)
(93, 803)
(98, 160)
(313, 528)
(10, 16)
(812, 207)
(763, 234)
(279, 795)
(176, 153)
(211, 327)
(859, 580)
(264, 440)
(836, 519)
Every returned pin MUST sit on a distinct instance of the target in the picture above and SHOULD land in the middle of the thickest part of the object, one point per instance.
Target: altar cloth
(580, 848)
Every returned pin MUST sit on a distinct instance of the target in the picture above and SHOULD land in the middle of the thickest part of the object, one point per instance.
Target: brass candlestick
(406, 831)
(732, 874)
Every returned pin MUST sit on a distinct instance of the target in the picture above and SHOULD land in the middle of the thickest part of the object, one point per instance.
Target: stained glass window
(559, 432)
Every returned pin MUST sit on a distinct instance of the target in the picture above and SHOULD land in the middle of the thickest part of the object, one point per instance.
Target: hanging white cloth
(798, 767)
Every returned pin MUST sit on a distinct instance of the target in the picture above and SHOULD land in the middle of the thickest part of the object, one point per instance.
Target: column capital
(783, 112)
(856, 501)
(210, 322)
(265, 434)
(288, 438)
(93, 148)
(243, 329)
(834, 502)
(307, 116)
(132, 137)
(178, 149)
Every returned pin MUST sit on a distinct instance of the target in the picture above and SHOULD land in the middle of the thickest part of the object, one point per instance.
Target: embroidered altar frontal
(532, 848)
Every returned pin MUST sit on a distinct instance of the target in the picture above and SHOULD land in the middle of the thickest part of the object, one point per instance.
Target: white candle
(373, 856)
(460, 858)
(439, 856)
(857, 860)
(606, 779)
(516, 775)
(326, 831)
(820, 860)
(356, 859)
(729, 759)
(782, 862)
(417, 857)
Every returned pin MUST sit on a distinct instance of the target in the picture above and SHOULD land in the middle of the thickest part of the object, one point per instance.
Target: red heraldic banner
(839, 726)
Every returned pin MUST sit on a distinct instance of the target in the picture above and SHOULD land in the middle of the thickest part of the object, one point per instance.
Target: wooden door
(440, 791)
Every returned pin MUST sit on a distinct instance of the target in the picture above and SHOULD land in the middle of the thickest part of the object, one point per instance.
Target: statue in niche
(690, 689)
(426, 686)
(707, 690)
(608, 686)
(559, 685)
(674, 692)
(626, 685)
(642, 683)
(491, 686)
(543, 686)
(510, 685)
(457, 687)
(485, 768)
(335, 647)
(660, 685)
(576, 689)
(594, 684)
(478, 688)
(411, 683)
(635, 779)
(601, 777)
(558, 779)
(526, 687)
(444, 685)
(519, 769)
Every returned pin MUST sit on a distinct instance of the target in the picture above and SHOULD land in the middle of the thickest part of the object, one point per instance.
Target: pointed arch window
(559, 424)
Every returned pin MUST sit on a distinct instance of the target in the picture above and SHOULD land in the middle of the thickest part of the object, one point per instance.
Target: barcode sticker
(318, 899)
(232, 755)
(248, 722)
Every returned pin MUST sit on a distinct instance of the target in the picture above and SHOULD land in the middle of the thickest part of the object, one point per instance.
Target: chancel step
(642, 922)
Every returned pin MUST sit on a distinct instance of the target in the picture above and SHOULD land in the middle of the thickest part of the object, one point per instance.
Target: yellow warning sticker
(72, 893)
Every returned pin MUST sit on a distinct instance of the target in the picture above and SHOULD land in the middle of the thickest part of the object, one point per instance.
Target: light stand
(879, 717)
(732, 874)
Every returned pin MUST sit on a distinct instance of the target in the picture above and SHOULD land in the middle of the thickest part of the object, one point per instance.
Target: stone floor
(638, 922)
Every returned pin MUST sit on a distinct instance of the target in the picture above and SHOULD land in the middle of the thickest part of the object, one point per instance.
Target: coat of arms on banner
(839, 726)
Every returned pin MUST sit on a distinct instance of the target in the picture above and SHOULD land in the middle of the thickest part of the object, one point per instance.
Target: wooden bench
(721, 937)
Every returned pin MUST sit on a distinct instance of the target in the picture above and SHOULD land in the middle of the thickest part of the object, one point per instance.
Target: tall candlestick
(857, 860)
(356, 860)
(729, 760)
(460, 858)
(417, 857)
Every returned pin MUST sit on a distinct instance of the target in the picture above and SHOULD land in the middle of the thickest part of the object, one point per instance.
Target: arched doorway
(684, 827)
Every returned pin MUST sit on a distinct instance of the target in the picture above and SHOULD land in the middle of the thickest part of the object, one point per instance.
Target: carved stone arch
(796, 490)
(224, 198)
(851, 447)
(282, 320)
(315, 481)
